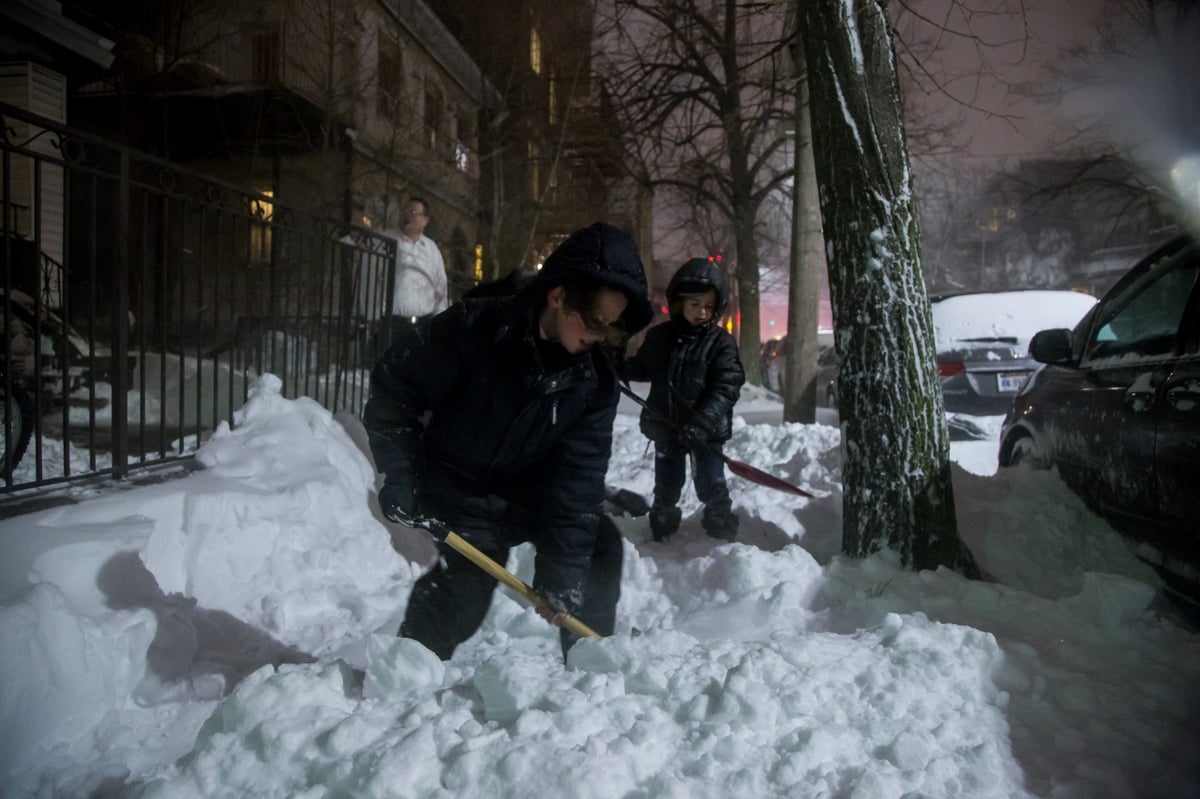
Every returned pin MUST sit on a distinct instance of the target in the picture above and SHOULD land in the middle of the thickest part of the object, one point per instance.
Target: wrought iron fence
(174, 291)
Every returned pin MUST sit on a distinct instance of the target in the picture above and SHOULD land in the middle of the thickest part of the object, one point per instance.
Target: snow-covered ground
(201, 636)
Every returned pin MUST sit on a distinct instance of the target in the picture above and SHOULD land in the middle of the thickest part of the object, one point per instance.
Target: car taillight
(950, 368)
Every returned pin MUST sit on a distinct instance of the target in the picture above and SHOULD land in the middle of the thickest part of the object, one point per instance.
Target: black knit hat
(602, 255)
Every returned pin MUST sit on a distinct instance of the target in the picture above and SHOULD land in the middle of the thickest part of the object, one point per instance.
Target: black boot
(721, 524)
(664, 521)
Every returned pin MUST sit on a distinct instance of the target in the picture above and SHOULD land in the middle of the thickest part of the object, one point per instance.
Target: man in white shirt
(420, 288)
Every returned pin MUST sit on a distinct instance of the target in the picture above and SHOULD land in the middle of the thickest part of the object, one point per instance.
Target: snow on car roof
(1006, 314)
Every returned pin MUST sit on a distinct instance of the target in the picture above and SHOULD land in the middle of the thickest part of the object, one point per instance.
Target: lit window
(535, 51)
(261, 211)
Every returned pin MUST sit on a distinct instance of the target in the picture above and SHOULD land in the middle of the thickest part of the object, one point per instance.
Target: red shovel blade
(762, 478)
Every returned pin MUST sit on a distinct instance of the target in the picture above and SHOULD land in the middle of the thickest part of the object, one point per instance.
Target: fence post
(120, 355)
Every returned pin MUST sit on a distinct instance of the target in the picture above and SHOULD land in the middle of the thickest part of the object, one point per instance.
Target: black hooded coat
(695, 373)
(477, 417)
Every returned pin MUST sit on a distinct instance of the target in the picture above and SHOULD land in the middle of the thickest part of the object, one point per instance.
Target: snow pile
(231, 633)
(665, 715)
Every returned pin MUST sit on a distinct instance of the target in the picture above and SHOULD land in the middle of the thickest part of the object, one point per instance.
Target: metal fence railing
(173, 292)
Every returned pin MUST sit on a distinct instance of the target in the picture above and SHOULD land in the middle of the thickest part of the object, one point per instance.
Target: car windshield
(1007, 316)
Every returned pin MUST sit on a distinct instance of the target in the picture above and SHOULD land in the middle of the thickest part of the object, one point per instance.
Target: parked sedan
(827, 373)
(774, 354)
(1116, 408)
(982, 341)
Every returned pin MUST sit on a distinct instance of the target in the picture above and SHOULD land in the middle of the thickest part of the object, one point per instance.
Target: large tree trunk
(896, 448)
(807, 262)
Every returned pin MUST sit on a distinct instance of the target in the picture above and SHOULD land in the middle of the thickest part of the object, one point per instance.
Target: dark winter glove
(398, 503)
(694, 437)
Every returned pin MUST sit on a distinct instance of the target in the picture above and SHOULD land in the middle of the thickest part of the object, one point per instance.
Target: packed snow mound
(232, 633)
(277, 443)
(286, 494)
(663, 715)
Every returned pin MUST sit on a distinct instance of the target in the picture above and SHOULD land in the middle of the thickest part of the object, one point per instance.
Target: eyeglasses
(612, 332)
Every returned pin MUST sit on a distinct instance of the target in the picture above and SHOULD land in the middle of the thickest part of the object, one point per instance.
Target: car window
(1143, 320)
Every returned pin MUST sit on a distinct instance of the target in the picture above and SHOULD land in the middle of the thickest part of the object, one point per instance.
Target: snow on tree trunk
(895, 442)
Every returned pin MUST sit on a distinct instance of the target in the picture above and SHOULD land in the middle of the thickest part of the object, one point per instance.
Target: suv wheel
(1026, 450)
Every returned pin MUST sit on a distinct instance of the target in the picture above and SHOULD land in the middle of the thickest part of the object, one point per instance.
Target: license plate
(1010, 382)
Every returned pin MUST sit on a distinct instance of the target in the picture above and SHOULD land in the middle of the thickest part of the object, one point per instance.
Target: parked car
(774, 355)
(1116, 408)
(982, 342)
(827, 374)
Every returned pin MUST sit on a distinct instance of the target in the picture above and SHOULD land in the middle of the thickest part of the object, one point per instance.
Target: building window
(390, 81)
(433, 115)
(552, 98)
(266, 51)
(462, 150)
(535, 50)
(261, 211)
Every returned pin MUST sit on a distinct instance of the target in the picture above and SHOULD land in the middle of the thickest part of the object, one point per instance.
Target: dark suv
(1116, 409)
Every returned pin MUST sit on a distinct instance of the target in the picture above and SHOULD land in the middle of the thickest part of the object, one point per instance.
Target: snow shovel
(463, 547)
(740, 468)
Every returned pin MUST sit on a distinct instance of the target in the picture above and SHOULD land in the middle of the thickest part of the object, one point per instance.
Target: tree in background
(705, 98)
(1134, 102)
(807, 261)
(896, 448)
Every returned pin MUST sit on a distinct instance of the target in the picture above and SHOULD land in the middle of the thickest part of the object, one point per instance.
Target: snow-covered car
(1116, 408)
(982, 341)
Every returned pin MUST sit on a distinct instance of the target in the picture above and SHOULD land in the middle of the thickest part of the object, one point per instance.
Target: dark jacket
(695, 373)
(480, 417)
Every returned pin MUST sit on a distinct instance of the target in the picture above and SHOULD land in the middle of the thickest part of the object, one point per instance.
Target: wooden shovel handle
(471, 553)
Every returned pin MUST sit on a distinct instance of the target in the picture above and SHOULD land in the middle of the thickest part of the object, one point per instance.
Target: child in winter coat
(695, 378)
